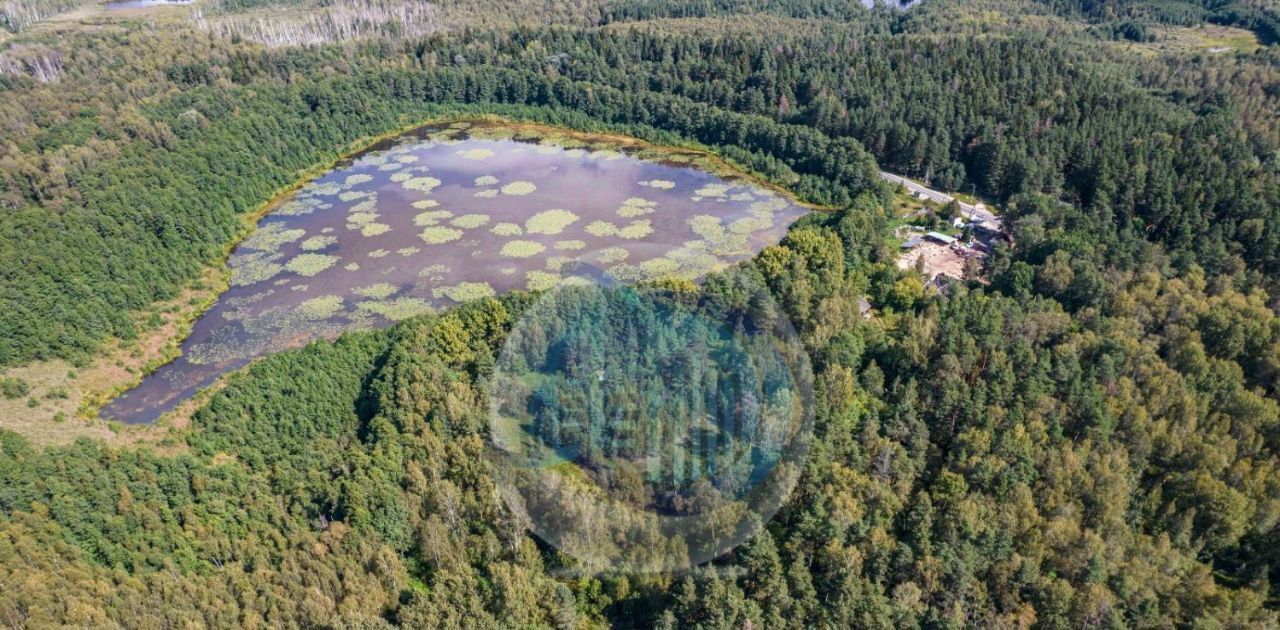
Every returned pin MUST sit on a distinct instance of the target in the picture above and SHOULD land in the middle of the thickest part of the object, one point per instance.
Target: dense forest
(688, 409)
(980, 460)
(1020, 118)
(1089, 439)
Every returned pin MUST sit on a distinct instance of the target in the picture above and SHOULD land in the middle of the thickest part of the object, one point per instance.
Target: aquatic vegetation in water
(326, 189)
(396, 309)
(431, 217)
(610, 255)
(767, 207)
(655, 268)
(378, 291)
(625, 273)
(483, 230)
(318, 242)
(362, 213)
(636, 206)
(300, 206)
(507, 229)
(601, 228)
(747, 225)
(433, 271)
(637, 229)
(470, 221)
(322, 307)
(360, 218)
(436, 235)
(726, 242)
(549, 222)
(247, 300)
(715, 189)
(731, 245)
(518, 188)
(695, 259)
(310, 264)
(540, 280)
(271, 236)
(422, 184)
(464, 291)
(522, 249)
(706, 226)
(253, 268)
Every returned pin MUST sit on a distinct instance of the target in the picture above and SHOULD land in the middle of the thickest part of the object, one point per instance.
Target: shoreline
(216, 277)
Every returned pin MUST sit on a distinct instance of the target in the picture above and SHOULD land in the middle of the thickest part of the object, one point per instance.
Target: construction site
(960, 254)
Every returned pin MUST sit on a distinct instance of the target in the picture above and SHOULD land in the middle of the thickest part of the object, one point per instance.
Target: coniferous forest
(1086, 435)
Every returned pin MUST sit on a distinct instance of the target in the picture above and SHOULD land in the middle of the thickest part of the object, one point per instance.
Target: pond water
(444, 215)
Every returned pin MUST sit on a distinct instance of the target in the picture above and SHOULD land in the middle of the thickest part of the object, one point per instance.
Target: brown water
(445, 215)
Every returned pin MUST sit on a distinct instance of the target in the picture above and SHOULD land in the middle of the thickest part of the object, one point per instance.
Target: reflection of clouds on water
(401, 230)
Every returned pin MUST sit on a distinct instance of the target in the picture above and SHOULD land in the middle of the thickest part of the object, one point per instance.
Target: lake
(447, 214)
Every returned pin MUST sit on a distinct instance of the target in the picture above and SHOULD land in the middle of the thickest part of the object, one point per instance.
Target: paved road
(977, 212)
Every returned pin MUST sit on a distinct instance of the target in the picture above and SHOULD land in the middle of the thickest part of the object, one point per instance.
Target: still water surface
(444, 215)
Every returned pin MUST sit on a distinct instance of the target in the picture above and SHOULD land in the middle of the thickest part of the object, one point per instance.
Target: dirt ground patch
(938, 259)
